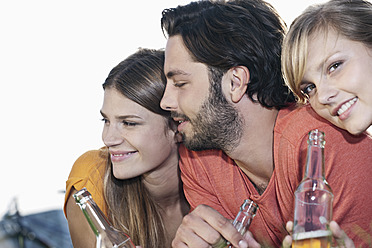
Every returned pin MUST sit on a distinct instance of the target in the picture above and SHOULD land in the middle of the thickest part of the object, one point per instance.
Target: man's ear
(239, 77)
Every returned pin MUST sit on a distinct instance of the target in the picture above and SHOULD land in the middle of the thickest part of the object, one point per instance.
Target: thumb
(340, 236)
(252, 243)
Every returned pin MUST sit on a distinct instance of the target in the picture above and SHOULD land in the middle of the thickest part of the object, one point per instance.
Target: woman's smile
(344, 110)
(121, 156)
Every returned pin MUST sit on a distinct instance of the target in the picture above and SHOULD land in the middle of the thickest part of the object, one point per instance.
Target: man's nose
(169, 99)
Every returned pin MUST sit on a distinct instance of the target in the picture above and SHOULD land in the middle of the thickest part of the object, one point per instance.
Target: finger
(194, 231)
(177, 244)
(340, 236)
(221, 226)
(287, 242)
(289, 227)
(221, 243)
(184, 238)
(251, 242)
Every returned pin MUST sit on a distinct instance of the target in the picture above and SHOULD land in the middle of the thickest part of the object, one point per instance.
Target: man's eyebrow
(173, 73)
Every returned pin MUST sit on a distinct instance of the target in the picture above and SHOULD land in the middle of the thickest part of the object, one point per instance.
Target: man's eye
(179, 84)
(308, 90)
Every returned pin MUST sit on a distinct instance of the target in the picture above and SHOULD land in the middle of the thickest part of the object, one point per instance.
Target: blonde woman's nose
(326, 93)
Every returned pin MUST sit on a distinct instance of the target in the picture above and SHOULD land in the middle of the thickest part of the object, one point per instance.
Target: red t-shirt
(212, 178)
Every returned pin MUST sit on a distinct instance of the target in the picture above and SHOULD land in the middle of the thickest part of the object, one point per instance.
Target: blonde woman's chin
(369, 131)
(360, 129)
(354, 127)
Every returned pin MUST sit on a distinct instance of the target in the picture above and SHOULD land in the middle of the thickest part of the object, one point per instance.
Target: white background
(54, 57)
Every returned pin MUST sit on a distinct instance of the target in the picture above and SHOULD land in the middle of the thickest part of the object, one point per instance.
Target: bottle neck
(96, 219)
(315, 156)
(315, 164)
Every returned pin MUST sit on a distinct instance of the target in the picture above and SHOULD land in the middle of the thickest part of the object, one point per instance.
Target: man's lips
(181, 123)
(344, 107)
(178, 120)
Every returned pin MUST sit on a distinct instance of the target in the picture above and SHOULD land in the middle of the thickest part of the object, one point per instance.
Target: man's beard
(218, 124)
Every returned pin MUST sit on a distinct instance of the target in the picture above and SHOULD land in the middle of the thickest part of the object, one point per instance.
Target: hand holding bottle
(342, 240)
(312, 226)
(242, 221)
(203, 227)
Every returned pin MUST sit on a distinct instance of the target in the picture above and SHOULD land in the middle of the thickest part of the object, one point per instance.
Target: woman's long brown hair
(140, 78)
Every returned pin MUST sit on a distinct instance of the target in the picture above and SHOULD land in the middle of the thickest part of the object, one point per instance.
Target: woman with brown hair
(135, 178)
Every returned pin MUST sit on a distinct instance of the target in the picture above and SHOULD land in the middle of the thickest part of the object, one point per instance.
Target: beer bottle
(106, 235)
(242, 221)
(313, 199)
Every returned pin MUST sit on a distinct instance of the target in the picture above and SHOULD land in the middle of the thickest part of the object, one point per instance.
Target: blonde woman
(327, 62)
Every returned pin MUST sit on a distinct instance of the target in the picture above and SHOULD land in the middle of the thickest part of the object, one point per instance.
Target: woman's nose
(326, 93)
(111, 136)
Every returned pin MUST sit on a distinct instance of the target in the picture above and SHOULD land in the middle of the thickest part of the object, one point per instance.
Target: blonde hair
(350, 18)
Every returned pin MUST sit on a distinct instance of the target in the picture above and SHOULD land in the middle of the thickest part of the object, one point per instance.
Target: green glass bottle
(106, 235)
(242, 221)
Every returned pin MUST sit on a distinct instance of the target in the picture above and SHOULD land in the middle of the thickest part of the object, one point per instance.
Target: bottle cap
(250, 206)
(316, 137)
(82, 196)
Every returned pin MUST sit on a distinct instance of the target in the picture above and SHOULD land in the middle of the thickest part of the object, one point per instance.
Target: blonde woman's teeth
(346, 106)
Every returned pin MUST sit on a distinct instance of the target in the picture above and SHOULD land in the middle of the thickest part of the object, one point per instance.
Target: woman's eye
(308, 90)
(334, 66)
(130, 124)
(104, 120)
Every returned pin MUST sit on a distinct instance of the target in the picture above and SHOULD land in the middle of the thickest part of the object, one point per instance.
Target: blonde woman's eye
(308, 90)
(334, 66)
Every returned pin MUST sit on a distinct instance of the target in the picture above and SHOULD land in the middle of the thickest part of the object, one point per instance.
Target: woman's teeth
(122, 154)
(346, 106)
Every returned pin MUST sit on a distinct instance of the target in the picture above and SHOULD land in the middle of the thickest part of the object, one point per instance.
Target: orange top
(88, 171)
(221, 184)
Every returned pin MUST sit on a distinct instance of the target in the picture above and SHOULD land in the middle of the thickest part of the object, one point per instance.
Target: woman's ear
(174, 132)
(178, 137)
(239, 78)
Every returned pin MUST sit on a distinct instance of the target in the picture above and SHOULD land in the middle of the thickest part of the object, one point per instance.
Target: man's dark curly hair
(223, 35)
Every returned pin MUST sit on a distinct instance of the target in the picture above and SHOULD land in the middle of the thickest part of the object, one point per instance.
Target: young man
(225, 88)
